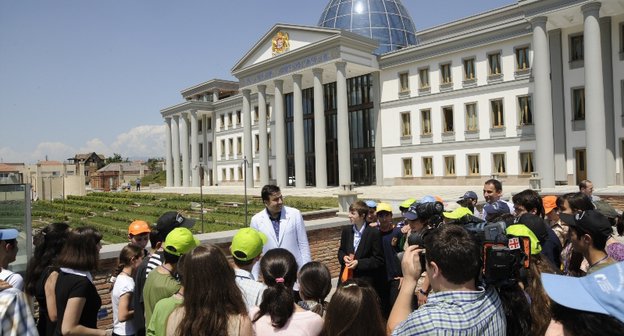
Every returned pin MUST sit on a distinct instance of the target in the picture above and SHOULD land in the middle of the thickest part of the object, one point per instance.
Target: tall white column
(184, 147)
(299, 142)
(262, 134)
(320, 151)
(175, 150)
(194, 150)
(215, 95)
(543, 115)
(215, 154)
(247, 138)
(594, 97)
(169, 155)
(342, 121)
(279, 139)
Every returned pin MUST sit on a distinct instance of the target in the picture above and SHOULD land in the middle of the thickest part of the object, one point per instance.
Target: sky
(79, 76)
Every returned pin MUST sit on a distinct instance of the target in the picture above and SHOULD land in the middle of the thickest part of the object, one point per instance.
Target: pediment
(281, 40)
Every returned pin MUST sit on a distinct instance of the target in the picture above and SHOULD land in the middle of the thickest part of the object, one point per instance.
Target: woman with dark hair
(214, 304)
(354, 310)
(314, 286)
(122, 290)
(278, 314)
(48, 244)
(77, 299)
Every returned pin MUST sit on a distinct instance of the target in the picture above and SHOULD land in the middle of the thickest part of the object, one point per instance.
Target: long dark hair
(80, 251)
(353, 310)
(213, 295)
(540, 302)
(127, 253)
(279, 271)
(315, 284)
(48, 243)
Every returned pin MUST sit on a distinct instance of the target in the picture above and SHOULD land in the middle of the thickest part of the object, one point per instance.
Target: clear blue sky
(82, 76)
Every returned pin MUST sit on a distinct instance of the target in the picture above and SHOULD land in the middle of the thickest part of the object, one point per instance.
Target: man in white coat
(283, 227)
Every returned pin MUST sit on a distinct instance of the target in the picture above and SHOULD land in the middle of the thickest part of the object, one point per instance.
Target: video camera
(505, 257)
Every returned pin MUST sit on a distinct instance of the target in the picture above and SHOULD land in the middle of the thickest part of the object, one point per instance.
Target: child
(314, 286)
(129, 259)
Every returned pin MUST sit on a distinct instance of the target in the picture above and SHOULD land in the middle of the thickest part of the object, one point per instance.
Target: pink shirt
(305, 323)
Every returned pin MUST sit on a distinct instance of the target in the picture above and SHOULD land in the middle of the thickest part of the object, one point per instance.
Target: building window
(499, 163)
(498, 118)
(257, 142)
(257, 177)
(407, 167)
(526, 163)
(578, 103)
(230, 120)
(423, 76)
(231, 148)
(223, 121)
(472, 122)
(231, 174)
(445, 73)
(522, 58)
(406, 125)
(427, 166)
(473, 164)
(209, 123)
(222, 148)
(240, 173)
(576, 48)
(425, 122)
(199, 125)
(201, 152)
(469, 69)
(447, 119)
(449, 165)
(238, 117)
(524, 110)
(256, 114)
(404, 82)
(209, 149)
(239, 145)
(494, 63)
(223, 174)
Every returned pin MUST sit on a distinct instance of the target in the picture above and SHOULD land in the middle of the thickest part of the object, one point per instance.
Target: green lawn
(111, 213)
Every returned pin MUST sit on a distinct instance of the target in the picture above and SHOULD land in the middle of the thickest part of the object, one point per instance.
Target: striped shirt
(15, 316)
(477, 312)
(251, 289)
(155, 260)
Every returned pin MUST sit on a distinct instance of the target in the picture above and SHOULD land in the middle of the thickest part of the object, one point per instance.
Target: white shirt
(14, 279)
(252, 290)
(123, 285)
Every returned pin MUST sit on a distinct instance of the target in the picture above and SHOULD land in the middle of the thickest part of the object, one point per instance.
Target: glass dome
(386, 21)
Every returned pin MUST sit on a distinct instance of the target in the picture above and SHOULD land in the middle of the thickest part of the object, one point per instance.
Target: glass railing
(15, 214)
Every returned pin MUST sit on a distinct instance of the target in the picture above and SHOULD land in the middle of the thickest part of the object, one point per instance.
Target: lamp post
(245, 184)
(201, 194)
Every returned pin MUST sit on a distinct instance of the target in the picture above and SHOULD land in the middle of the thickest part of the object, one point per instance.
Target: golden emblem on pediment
(280, 43)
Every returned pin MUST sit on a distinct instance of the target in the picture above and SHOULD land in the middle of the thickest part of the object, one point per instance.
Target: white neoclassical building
(533, 88)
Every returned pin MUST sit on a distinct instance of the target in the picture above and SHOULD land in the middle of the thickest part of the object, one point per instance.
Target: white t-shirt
(124, 284)
(14, 279)
(304, 323)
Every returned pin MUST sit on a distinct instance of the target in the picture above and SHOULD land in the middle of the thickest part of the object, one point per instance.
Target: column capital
(193, 112)
(168, 119)
(297, 77)
(341, 66)
(246, 92)
(538, 21)
(261, 88)
(175, 117)
(278, 82)
(317, 71)
(591, 9)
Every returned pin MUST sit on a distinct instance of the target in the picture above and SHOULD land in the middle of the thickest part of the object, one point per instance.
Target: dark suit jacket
(369, 254)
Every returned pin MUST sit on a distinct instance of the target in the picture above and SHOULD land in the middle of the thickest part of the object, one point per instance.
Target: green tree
(154, 164)
(114, 159)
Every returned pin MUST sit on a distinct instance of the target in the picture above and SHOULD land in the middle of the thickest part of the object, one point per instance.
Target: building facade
(530, 89)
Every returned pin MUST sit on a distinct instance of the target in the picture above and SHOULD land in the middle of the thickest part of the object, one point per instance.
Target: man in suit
(360, 248)
(283, 227)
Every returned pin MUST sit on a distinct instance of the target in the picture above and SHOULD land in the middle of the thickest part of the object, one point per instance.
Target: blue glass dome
(386, 21)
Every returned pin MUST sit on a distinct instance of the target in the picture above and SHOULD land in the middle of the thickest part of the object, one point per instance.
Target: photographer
(457, 304)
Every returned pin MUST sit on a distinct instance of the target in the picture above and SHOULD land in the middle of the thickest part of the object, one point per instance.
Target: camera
(429, 209)
(418, 238)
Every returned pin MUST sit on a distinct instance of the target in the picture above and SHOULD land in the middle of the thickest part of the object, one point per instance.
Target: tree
(114, 159)
(154, 165)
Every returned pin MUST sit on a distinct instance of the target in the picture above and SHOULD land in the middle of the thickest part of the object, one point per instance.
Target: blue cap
(498, 207)
(427, 199)
(8, 234)
(599, 292)
(470, 194)
(411, 213)
(371, 204)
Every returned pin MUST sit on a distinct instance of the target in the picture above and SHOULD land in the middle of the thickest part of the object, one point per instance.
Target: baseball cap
(180, 241)
(411, 213)
(171, 220)
(406, 204)
(8, 234)
(521, 230)
(384, 207)
(457, 213)
(599, 292)
(469, 194)
(536, 224)
(247, 244)
(427, 199)
(138, 226)
(550, 203)
(498, 207)
(371, 204)
(589, 221)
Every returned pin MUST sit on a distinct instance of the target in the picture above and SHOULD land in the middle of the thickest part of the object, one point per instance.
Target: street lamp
(201, 194)
(245, 184)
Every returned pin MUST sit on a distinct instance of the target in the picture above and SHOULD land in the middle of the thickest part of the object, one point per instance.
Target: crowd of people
(529, 266)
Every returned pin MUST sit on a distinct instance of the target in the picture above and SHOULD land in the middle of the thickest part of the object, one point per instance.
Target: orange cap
(550, 203)
(138, 226)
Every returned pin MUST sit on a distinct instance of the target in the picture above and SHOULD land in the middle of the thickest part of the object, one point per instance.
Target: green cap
(247, 244)
(457, 213)
(406, 204)
(521, 230)
(180, 241)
